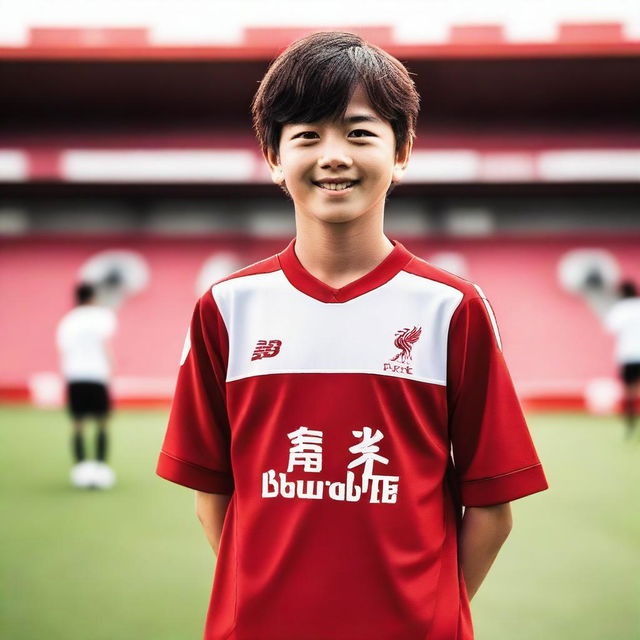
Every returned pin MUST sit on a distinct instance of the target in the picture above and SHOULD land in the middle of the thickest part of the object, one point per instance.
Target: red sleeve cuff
(193, 476)
(503, 488)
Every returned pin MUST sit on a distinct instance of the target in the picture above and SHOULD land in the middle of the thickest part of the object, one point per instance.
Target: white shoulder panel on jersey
(492, 316)
(399, 329)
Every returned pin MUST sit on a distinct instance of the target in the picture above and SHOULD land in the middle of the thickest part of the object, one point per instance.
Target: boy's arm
(211, 509)
(484, 530)
(108, 350)
(492, 452)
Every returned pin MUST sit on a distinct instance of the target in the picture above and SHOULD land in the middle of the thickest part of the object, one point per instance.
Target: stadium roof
(251, 29)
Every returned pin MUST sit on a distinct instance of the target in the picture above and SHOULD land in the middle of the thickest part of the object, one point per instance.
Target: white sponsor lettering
(306, 452)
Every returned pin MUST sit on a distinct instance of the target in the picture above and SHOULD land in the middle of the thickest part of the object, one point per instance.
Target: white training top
(81, 337)
(623, 320)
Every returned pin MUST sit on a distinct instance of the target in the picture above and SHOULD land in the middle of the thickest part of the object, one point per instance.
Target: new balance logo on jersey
(266, 349)
(405, 339)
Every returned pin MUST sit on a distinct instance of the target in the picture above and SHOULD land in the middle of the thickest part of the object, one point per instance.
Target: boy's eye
(361, 133)
(311, 135)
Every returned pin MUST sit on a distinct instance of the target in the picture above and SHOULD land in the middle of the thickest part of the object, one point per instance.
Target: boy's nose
(334, 157)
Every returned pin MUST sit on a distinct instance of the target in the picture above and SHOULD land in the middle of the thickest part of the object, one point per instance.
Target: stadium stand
(528, 146)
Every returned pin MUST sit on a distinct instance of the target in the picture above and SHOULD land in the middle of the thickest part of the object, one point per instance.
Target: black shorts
(88, 399)
(630, 372)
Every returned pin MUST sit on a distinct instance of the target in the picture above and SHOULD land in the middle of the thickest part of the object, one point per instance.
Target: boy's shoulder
(419, 267)
(267, 265)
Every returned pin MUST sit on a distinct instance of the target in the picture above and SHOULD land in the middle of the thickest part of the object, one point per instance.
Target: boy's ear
(402, 158)
(274, 166)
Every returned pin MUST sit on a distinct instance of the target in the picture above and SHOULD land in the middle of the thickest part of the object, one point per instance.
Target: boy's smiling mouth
(336, 185)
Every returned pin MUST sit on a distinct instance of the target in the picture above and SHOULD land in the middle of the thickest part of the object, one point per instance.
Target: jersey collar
(302, 280)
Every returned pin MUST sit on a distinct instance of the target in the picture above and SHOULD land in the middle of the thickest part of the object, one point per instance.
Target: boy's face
(356, 154)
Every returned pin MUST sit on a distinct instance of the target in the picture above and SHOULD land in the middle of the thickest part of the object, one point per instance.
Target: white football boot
(104, 476)
(82, 474)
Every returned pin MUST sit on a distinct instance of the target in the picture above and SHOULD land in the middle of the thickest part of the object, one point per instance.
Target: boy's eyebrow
(361, 118)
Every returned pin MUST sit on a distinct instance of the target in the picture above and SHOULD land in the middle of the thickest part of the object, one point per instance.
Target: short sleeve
(110, 324)
(494, 456)
(612, 319)
(196, 448)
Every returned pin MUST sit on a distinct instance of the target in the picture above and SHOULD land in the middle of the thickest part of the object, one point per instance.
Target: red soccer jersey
(349, 425)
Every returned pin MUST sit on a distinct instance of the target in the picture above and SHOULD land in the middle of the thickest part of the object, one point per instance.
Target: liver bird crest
(405, 339)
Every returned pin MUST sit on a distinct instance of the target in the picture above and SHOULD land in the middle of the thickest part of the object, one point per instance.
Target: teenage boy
(344, 397)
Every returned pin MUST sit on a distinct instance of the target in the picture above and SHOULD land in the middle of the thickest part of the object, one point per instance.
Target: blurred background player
(623, 320)
(83, 341)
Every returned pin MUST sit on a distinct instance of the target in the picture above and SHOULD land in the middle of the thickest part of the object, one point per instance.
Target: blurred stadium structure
(126, 127)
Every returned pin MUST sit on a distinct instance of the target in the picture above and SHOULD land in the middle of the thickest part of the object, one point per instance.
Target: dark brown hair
(315, 77)
(628, 289)
(84, 293)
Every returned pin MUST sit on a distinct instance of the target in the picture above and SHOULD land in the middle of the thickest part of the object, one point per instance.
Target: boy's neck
(339, 253)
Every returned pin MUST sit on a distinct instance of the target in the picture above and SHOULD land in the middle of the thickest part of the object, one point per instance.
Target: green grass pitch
(132, 563)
